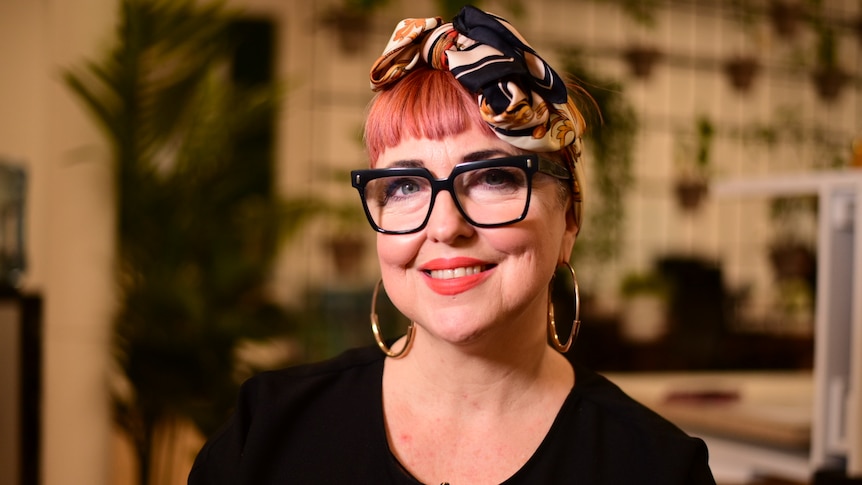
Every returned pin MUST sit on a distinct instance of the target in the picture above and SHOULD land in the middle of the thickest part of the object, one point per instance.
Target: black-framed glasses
(488, 193)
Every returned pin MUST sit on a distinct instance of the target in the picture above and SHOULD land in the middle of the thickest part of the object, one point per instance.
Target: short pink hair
(426, 103)
(430, 103)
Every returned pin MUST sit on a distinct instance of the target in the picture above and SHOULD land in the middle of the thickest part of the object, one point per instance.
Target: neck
(470, 413)
(462, 375)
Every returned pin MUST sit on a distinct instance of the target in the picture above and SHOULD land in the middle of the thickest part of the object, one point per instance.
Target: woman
(474, 147)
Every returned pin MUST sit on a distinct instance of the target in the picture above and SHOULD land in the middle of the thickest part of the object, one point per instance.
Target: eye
(498, 176)
(403, 187)
(495, 179)
(396, 189)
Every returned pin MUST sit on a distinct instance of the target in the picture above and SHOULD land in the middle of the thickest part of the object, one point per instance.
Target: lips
(457, 275)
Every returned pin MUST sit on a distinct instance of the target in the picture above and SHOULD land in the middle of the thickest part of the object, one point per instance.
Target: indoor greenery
(198, 222)
(650, 283)
(610, 139)
(694, 164)
(828, 75)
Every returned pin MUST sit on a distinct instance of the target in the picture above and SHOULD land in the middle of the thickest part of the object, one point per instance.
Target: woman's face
(460, 282)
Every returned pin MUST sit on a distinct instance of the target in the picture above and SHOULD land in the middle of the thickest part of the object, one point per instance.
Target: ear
(569, 236)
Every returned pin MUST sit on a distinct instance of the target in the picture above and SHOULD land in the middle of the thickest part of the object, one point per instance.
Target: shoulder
(355, 367)
(301, 395)
(598, 395)
(614, 428)
(286, 420)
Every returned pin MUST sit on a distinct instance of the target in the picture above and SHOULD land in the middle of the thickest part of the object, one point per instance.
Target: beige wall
(69, 222)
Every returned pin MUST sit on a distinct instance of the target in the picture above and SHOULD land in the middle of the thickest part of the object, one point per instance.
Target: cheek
(396, 254)
(396, 251)
(541, 238)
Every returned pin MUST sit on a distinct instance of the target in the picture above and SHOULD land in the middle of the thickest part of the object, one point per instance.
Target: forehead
(439, 156)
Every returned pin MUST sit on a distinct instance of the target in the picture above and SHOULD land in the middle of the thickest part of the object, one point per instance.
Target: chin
(457, 331)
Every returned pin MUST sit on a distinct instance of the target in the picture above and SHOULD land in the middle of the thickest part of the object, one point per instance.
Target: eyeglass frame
(530, 164)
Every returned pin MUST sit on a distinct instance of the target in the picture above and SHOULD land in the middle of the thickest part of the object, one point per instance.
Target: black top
(323, 424)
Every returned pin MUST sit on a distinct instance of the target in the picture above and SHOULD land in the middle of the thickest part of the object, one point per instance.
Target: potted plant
(792, 251)
(346, 241)
(828, 76)
(351, 22)
(793, 258)
(641, 59)
(640, 56)
(742, 67)
(741, 71)
(645, 305)
(694, 169)
(785, 17)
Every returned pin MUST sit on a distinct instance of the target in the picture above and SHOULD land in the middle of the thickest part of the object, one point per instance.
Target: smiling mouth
(448, 274)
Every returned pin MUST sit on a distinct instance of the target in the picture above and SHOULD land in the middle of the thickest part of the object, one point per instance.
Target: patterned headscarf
(519, 95)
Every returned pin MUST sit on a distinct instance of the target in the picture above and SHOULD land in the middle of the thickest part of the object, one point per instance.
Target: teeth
(447, 274)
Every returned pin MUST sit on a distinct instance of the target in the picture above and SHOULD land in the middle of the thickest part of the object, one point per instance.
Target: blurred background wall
(686, 104)
(68, 223)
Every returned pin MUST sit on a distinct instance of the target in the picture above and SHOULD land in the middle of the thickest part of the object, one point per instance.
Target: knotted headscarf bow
(519, 95)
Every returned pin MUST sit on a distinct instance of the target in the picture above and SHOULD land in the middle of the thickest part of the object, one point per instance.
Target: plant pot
(792, 261)
(690, 193)
(829, 81)
(641, 60)
(351, 28)
(644, 319)
(741, 72)
(785, 18)
(347, 252)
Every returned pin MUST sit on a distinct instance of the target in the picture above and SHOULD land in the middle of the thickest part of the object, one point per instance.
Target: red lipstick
(455, 275)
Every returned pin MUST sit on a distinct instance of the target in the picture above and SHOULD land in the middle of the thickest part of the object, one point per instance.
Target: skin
(480, 388)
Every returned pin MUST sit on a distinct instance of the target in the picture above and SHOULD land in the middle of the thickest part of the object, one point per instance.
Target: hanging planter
(829, 77)
(641, 60)
(351, 27)
(690, 192)
(741, 71)
(346, 251)
(829, 82)
(692, 183)
(351, 21)
(785, 17)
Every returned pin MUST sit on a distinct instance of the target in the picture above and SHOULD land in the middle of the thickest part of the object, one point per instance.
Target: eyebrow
(485, 155)
(470, 157)
(407, 164)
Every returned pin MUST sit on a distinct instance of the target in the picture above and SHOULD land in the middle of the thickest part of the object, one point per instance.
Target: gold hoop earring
(576, 321)
(375, 329)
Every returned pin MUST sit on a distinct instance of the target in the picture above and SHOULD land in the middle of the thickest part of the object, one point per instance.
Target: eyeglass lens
(486, 196)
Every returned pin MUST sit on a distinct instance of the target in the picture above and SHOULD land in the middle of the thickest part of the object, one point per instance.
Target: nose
(446, 223)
